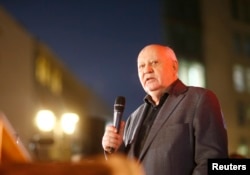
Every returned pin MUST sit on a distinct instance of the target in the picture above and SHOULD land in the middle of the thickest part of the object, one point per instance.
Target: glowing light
(45, 120)
(68, 122)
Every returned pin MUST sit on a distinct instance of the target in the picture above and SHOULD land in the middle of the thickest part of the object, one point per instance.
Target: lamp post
(55, 134)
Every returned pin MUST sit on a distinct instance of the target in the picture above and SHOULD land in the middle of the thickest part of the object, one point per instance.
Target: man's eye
(154, 62)
(141, 66)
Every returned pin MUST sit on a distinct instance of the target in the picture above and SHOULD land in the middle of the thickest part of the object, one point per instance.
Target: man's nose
(148, 69)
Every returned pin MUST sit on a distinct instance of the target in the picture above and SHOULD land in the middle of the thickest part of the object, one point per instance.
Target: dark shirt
(149, 115)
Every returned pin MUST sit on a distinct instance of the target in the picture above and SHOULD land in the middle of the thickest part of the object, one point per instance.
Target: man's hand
(111, 139)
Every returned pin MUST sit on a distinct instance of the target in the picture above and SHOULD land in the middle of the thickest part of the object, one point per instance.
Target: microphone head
(119, 104)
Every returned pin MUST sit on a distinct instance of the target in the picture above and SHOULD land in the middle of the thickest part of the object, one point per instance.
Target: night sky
(97, 40)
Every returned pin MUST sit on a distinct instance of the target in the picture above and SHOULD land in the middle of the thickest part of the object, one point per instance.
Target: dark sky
(97, 40)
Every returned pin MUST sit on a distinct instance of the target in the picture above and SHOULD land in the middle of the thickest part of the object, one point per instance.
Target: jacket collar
(176, 94)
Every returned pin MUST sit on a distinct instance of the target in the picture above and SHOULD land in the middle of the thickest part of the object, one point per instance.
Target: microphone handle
(116, 124)
(117, 120)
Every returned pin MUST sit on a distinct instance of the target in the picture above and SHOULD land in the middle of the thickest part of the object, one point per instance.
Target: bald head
(163, 50)
(157, 69)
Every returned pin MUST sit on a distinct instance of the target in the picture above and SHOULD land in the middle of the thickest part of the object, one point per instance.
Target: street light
(68, 122)
(45, 120)
(52, 138)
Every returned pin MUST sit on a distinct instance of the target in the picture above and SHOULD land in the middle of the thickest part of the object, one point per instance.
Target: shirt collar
(148, 100)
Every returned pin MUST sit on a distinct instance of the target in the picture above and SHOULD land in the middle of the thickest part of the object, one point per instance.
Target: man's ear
(175, 65)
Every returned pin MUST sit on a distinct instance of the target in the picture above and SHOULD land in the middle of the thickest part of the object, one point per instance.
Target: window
(241, 78)
(237, 43)
(48, 75)
(234, 9)
(192, 73)
(241, 44)
(56, 84)
(42, 70)
(246, 46)
(238, 78)
(240, 10)
(243, 148)
(243, 115)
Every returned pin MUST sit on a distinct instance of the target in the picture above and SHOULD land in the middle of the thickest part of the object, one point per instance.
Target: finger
(110, 128)
(110, 145)
(110, 139)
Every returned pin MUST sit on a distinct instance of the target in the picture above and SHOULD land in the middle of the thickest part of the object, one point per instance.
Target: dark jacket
(188, 130)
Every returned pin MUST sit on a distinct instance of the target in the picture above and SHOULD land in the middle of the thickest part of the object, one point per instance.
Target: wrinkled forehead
(156, 52)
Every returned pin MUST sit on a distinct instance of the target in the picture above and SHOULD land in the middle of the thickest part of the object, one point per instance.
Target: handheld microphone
(118, 111)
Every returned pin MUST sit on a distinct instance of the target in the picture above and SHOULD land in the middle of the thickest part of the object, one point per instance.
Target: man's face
(156, 71)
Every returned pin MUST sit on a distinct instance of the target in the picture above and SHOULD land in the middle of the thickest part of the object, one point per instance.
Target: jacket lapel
(139, 122)
(134, 129)
(174, 98)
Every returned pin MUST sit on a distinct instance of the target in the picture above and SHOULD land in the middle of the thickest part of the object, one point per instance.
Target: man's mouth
(148, 79)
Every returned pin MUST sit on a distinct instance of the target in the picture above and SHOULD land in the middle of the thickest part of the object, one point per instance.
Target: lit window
(42, 70)
(238, 78)
(183, 69)
(196, 75)
(243, 148)
(56, 82)
(192, 73)
(48, 75)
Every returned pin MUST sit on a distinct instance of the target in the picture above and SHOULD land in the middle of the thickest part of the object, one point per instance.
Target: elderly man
(177, 128)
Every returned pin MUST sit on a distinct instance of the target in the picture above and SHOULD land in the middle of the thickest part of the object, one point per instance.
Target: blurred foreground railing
(15, 160)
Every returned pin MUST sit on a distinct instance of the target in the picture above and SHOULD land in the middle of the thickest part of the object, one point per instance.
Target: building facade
(33, 79)
(212, 41)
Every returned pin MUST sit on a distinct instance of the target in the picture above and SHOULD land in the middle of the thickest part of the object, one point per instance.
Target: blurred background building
(37, 90)
(212, 42)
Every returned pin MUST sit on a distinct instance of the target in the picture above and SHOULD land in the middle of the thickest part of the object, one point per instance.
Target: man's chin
(152, 90)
